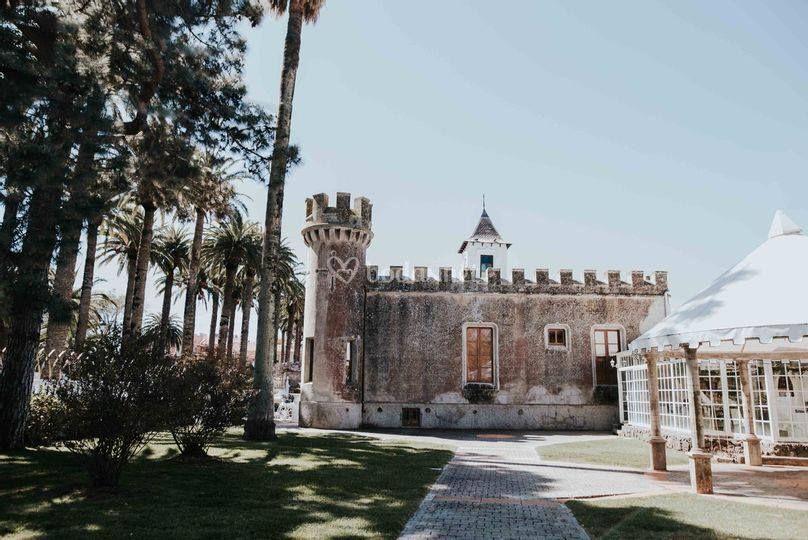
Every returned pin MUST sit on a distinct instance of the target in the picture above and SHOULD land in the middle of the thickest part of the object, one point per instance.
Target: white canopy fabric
(763, 297)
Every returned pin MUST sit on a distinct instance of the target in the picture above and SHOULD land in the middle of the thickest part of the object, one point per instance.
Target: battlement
(567, 283)
(358, 216)
(338, 223)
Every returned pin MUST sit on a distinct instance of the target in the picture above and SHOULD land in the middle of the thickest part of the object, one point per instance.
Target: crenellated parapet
(610, 282)
(340, 223)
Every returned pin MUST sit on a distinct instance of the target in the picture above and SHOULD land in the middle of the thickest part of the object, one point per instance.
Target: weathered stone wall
(407, 336)
(337, 238)
(413, 348)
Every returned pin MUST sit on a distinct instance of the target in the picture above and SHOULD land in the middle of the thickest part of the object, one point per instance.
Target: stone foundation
(330, 415)
(494, 416)
(722, 448)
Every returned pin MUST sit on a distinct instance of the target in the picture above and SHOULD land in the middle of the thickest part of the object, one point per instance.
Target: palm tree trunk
(87, 282)
(276, 328)
(29, 297)
(227, 307)
(298, 340)
(214, 308)
(165, 315)
(260, 423)
(287, 353)
(131, 270)
(189, 313)
(142, 269)
(59, 312)
(246, 310)
(231, 335)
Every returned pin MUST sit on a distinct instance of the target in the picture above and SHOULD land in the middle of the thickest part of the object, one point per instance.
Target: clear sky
(626, 135)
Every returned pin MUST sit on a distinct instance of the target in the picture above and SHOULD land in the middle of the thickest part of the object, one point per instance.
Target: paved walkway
(496, 486)
(490, 491)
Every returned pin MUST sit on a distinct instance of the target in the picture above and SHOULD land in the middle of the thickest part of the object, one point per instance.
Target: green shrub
(479, 393)
(44, 425)
(207, 399)
(115, 398)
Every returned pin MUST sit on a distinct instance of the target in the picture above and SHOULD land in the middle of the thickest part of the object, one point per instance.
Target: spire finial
(782, 225)
(483, 202)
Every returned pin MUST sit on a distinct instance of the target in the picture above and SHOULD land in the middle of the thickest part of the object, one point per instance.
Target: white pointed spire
(782, 224)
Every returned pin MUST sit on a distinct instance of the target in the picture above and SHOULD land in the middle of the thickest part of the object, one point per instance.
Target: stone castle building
(469, 351)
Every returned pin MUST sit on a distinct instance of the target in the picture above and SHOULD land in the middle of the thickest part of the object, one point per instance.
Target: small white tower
(485, 249)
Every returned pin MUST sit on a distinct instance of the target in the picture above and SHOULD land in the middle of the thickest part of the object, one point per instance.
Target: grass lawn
(614, 452)
(686, 516)
(300, 486)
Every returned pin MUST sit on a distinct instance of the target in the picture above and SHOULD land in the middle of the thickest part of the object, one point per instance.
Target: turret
(337, 238)
(485, 249)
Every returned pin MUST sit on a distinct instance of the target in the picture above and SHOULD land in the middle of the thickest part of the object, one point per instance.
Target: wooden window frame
(567, 347)
(621, 345)
(495, 352)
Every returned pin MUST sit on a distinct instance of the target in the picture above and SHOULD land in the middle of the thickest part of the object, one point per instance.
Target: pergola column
(657, 441)
(751, 446)
(701, 473)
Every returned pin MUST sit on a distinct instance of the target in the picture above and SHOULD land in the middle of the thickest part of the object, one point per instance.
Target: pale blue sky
(645, 135)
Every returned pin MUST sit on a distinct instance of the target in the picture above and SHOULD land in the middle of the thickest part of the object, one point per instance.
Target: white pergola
(730, 362)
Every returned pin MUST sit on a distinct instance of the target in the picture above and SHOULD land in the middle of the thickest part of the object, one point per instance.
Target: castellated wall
(414, 351)
(386, 351)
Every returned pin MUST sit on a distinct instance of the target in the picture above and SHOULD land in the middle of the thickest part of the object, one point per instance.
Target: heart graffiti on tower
(342, 269)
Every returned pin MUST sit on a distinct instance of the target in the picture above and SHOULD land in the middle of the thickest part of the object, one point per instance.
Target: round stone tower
(331, 383)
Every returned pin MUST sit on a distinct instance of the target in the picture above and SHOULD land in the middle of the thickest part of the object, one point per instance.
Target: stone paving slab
(477, 497)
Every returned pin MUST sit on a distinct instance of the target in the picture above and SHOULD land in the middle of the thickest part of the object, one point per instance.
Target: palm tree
(211, 282)
(260, 420)
(249, 269)
(249, 287)
(227, 247)
(100, 304)
(121, 242)
(88, 278)
(170, 254)
(212, 192)
(165, 163)
(153, 330)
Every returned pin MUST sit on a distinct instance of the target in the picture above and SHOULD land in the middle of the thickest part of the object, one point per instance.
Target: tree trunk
(214, 308)
(228, 299)
(287, 352)
(142, 269)
(276, 328)
(231, 335)
(191, 294)
(165, 315)
(87, 282)
(246, 310)
(260, 423)
(59, 312)
(8, 228)
(29, 298)
(131, 269)
(298, 340)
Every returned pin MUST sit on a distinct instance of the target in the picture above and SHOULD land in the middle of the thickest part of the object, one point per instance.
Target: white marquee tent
(737, 349)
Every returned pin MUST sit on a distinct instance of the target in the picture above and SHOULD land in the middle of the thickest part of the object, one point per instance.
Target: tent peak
(782, 225)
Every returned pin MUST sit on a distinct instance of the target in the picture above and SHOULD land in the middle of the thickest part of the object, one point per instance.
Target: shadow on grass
(685, 515)
(634, 522)
(334, 486)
